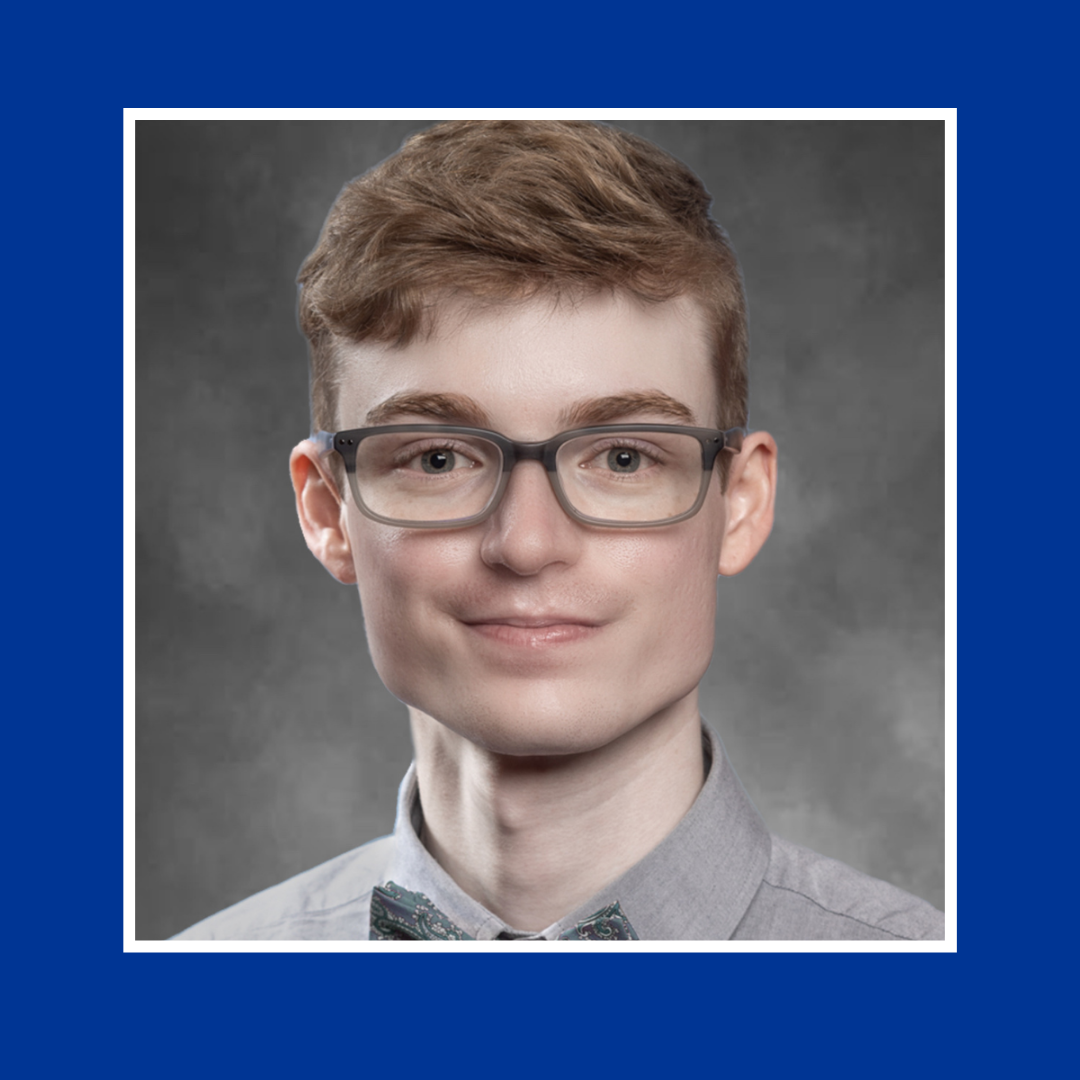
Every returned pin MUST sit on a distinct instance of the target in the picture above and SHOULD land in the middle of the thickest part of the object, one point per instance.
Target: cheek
(399, 572)
(685, 626)
(396, 568)
(670, 577)
(681, 558)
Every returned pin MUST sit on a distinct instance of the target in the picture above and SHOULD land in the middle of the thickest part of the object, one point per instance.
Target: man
(528, 348)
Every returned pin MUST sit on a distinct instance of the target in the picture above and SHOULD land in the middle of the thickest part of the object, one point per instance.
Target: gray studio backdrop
(267, 744)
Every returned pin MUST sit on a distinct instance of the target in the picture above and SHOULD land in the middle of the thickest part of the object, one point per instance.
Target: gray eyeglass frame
(347, 443)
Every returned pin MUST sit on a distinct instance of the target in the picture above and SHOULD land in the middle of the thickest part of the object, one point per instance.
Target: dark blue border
(82, 999)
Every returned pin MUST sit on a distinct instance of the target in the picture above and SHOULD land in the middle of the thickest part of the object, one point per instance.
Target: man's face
(531, 633)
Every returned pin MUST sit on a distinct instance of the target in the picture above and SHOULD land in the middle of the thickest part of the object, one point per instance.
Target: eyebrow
(622, 407)
(462, 409)
(449, 408)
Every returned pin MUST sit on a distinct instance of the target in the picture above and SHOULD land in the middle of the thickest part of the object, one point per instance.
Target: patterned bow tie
(400, 915)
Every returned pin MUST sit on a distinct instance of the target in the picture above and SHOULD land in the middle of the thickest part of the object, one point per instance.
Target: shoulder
(806, 896)
(329, 902)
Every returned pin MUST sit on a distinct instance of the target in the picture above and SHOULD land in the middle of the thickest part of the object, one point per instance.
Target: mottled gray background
(266, 742)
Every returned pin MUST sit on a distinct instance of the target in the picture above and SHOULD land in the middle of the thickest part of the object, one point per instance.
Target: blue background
(996, 1008)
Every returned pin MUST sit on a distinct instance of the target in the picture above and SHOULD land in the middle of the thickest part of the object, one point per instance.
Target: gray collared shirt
(718, 875)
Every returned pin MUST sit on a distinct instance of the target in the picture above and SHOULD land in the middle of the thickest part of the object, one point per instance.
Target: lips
(534, 632)
(534, 622)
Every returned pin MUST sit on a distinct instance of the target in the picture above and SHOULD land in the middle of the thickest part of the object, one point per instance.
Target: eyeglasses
(441, 476)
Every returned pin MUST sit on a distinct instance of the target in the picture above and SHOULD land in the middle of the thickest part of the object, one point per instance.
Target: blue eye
(438, 461)
(623, 460)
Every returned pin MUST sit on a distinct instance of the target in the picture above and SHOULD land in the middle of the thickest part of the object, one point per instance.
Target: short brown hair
(511, 208)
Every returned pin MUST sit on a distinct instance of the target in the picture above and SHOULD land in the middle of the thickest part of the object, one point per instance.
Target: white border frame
(949, 117)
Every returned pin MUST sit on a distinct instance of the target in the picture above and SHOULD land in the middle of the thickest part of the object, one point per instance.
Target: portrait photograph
(540, 530)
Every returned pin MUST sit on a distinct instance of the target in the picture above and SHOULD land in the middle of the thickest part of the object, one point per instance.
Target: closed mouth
(534, 633)
(531, 623)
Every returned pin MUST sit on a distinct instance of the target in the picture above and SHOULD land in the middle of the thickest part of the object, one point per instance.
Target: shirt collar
(696, 884)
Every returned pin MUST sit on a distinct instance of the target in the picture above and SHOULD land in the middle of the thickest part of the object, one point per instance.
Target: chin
(536, 734)
(542, 720)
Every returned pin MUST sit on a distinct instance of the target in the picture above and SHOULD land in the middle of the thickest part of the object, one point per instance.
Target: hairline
(454, 307)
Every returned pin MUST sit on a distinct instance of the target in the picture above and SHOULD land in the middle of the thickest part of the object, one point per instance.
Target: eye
(438, 461)
(616, 456)
(624, 460)
(442, 457)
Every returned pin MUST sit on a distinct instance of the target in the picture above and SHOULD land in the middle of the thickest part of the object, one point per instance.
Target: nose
(530, 530)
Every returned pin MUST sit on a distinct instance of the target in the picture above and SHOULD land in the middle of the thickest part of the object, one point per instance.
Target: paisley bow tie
(400, 915)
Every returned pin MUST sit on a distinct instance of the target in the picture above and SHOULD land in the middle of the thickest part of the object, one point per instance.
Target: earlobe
(750, 497)
(321, 512)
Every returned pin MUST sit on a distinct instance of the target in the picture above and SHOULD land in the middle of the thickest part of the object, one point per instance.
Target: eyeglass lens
(640, 477)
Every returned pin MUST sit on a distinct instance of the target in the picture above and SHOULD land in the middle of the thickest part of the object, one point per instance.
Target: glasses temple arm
(733, 439)
(323, 440)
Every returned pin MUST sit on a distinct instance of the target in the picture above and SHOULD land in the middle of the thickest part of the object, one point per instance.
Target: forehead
(526, 363)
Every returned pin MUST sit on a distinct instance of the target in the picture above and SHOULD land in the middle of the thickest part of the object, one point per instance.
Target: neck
(531, 838)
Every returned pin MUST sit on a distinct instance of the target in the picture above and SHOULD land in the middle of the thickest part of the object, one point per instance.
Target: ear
(321, 511)
(750, 496)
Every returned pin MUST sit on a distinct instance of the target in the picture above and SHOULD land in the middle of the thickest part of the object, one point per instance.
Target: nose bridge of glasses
(544, 454)
(514, 452)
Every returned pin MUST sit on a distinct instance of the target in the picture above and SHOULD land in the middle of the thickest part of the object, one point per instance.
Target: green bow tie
(400, 915)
